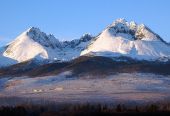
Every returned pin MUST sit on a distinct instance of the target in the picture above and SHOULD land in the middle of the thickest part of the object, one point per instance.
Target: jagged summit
(46, 40)
(32, 43)
(119, 21)
(133, 30)
(31, 29)
(130, 39)
(74, 43)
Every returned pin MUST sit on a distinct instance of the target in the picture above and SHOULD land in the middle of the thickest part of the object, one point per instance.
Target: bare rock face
(43, 38)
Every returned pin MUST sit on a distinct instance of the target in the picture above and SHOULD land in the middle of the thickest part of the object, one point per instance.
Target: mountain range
(126, 63)
(119, 39)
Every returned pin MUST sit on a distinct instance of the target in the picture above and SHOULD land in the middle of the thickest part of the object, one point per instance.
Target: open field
(136, 88)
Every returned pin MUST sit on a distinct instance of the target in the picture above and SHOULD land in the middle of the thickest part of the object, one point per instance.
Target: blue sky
(69, 19)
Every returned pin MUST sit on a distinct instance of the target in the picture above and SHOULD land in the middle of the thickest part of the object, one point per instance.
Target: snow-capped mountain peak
(123, 38)
(32, 43)
(33, 29)
(120, 20)
(121, 27)
(35, 44)
(43, 38)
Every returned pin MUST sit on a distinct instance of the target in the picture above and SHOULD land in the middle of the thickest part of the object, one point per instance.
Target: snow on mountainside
(72, 49)
(123, 38)
(4, 61)
(34, 44)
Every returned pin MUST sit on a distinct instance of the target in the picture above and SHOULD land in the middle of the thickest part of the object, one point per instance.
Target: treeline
(85, 110)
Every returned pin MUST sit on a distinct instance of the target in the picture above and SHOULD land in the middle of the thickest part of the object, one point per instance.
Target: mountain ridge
(121, 38)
